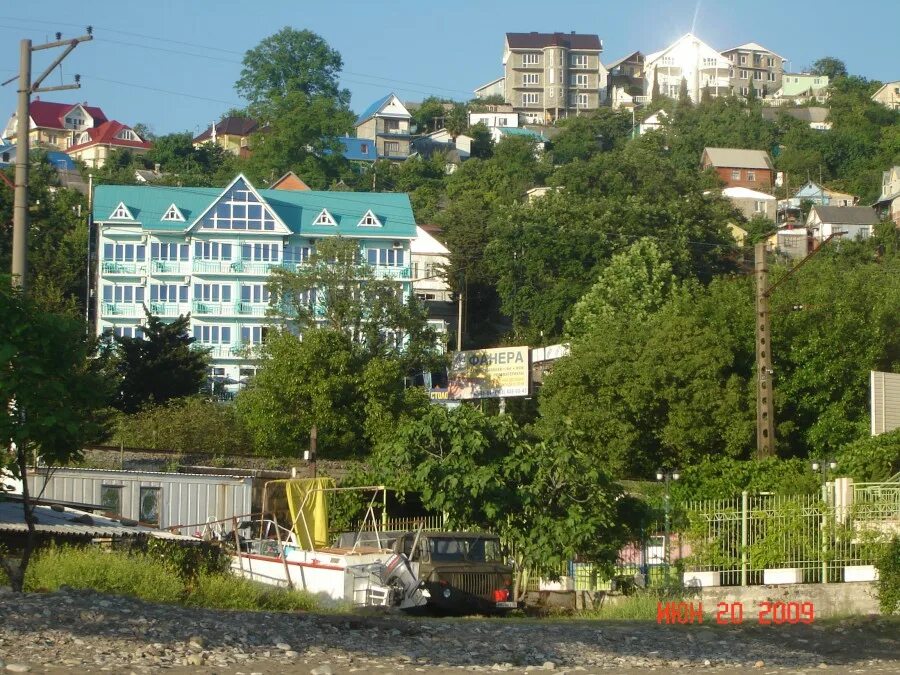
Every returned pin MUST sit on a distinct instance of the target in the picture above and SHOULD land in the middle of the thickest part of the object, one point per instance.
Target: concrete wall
(828, 599)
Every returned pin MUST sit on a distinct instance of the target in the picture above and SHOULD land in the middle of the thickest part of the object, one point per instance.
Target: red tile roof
(541, 40)
(53, 115)
(106, 133)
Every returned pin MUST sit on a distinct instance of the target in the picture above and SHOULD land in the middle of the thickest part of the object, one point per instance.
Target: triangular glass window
(121, 212)
(240, 208)
(370, 220)
(324, 218)
(173, 214)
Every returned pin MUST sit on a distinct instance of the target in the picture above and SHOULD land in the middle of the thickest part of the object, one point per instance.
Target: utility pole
(25, 90)
(459, 322)
(765, 409)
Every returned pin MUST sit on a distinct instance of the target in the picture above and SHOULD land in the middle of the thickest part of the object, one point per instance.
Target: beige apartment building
(752, 65)
(553, 75)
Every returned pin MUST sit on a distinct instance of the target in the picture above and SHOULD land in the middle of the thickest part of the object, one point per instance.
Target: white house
(848, 222)
(888, 203)
(751, 203)
(494, 120)
(429, 262)
(691, 61)
(653, 123)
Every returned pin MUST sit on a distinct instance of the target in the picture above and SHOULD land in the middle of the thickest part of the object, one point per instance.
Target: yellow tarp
(308, 504)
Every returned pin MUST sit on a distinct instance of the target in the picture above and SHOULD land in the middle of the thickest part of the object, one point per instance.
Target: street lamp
(665, 477)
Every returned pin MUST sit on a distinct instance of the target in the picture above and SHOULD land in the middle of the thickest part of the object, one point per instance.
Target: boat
(301, 557)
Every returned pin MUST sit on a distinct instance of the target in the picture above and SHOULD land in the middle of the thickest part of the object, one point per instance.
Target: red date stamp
(732, 613)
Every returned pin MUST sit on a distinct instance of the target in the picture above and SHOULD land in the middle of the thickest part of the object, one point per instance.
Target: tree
(830, 67)
(482, 141)
(457, 120)
(291, 61)
(683, 95)
(655, 93)
(584, 136)
(52, 393)
(156, 368)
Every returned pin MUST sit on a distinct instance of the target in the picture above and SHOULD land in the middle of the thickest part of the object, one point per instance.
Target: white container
(860, 573)
(787, 575)
(564, 584)
(701, 579)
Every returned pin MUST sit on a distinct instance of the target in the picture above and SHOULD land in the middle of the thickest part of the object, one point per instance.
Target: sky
(172, 64)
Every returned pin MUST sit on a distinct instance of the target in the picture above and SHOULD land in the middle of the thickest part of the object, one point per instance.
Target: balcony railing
(250, 308)
(115, 267)
(229, 351)
(233, 267)
(386, 272)
(202, 307)
(121, 309)
(170, 267)
(169, 308)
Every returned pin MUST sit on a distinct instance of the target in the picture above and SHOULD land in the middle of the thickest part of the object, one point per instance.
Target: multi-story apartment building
(386, 123)
(689, 62)
(553, 75)
(754, 66)
(208, 252)
(625, 82)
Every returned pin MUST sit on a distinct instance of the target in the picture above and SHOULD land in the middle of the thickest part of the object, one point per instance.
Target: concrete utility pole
(25, 90)
(765, 409)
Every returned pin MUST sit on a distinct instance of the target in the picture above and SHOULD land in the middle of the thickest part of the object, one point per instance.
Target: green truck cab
(462, 572)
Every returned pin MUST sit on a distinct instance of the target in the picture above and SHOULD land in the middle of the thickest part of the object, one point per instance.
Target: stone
(324, 669)
(283, 646)
(17, 668)
(548, 665)
(197, 642)
(194, 660)
(759, 664)
(291, 654)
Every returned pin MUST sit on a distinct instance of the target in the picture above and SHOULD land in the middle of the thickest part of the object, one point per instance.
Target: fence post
(745, 522)
(823, 531)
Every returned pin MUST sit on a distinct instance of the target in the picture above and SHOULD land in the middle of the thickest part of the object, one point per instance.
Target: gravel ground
(84, 632)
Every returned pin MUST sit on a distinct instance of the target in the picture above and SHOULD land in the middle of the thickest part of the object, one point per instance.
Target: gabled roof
(106, 134)
(571, 40)
(378, 106)
(296, 209)
(650, 58)
(53, 115)
(886, 85)
(618, 62)
(289, 181)
(741, 159)
(229, 126)
(755, 47)
(746, 193)
(490, 84)
(425, 244)
(846, 215)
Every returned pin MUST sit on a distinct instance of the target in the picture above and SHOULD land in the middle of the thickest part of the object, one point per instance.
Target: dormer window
(128, 135)
(121, 212)
(324, 218)
(369, 220)
(173, 214)
(83, 137)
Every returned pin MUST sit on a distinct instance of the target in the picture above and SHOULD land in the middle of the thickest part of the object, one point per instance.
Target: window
(128, 135)
(580, 80)
(369, 220)
(743, 75)
(212, 250)
(364, 148)
(735, 174)
(169, 251)
(751, 176)
(125, 252)
(389, 257)
(324, 218)
(771, 62)
(531, 79)
(760, 207)
(551, 76)
(579, 60)
(121, 212)
(771, 77)
(168, 293)
(294, 254)
(172, 213)
(582, 100)
(239, 209)
(111, 499)
(529, 99)
(757, 74)
(254, 293)
(530, 59)
(260, 252)
(743, 59)
(254, 335)
(709, 62)
(745, 91)
(126, 331)
(213, 335)
(212, 292)
(392, 148)
(149, 506)
(123, 294)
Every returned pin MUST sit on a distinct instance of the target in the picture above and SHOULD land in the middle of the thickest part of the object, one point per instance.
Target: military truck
(463, 572)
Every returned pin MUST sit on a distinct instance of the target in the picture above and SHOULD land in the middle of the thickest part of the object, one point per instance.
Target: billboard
(885, 402)
(489, 373)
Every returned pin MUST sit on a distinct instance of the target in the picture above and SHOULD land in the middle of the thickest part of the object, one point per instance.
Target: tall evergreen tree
(158, 367)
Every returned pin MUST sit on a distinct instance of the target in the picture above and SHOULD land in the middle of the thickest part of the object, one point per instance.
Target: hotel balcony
(111, 268)
(169, 309)
(229, 351)
(179, 267)
(230, 267)
(251, 308)
(121, 309)
(388, 272)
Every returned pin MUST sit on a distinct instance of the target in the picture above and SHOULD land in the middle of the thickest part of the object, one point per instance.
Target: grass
(147, 577)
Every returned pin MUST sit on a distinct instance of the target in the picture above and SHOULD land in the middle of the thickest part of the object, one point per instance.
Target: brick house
(741, 168)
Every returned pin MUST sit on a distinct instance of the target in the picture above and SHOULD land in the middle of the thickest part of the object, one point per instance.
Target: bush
(723, 478)
(189, 561)
(888, 565)
(217, 591)
(872, 459)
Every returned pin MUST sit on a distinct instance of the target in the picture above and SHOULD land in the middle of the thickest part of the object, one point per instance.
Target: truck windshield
(458, 549)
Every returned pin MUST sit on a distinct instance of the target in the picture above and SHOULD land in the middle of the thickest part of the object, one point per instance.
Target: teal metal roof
(297, 209)
(521, 131)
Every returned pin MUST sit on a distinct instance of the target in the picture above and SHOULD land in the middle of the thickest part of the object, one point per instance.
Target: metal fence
(433, 523)
(820, 536)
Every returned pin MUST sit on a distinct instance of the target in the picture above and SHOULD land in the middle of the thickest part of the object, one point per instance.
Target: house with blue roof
(358, 149)
(387, 123)
(209, 251)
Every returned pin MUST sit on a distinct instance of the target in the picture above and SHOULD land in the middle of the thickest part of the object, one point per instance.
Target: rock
(17, 668)
(283, 646)
(548, 665)
(822, 666)
(707, 662)
(194, 659)
(197, 642)
(291, 654)
(759, 664)
(324, 669)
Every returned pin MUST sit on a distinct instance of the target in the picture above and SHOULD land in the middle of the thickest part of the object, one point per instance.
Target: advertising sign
(489, 373)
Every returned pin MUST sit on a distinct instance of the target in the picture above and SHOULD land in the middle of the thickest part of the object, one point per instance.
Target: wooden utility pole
(765, 409)
(25, 90)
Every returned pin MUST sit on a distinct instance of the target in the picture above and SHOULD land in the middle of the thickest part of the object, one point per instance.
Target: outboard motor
(399, 575)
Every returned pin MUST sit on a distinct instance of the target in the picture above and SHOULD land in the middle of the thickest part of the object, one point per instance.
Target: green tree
(655, 94)
(585, 135)
(52, 393)
(482, 142)
(428, 116)
(683, 95)
(160, 366)
(871, 458)
(291, 61)
(829, 66)
(457, 120)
